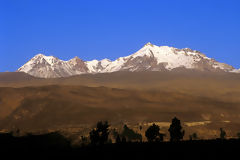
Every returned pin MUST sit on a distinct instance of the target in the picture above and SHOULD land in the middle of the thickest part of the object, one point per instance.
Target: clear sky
(97, 29)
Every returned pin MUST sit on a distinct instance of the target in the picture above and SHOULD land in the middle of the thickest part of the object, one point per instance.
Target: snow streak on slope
(148, 58)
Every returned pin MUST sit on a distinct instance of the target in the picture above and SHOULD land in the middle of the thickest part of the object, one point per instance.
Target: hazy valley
(203, 101)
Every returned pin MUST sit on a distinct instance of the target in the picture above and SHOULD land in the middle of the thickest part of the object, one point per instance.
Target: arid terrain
(203, 101)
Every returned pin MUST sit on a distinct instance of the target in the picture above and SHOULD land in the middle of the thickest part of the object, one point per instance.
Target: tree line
(100, 134)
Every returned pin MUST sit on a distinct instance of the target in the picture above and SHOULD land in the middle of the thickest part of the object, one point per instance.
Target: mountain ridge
(149, 58)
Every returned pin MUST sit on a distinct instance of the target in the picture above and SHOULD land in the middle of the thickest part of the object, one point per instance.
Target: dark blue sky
(97, 29)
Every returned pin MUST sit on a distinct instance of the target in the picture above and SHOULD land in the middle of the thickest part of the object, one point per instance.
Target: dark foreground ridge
(54, 145)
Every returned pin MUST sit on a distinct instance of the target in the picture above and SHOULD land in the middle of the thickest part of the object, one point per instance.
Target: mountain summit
(148, 58)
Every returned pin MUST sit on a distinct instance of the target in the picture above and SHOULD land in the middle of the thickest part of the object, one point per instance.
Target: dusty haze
(203, 101)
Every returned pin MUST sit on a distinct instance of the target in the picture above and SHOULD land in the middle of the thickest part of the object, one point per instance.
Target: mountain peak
(75, 60)
(47, 58)
(149, 44)
(39, 55)
(76, 57)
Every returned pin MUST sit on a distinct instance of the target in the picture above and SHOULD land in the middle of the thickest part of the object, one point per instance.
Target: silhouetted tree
(94, 137)
(153, 134)
(100, 134)
(114, 133)
(130, 134)
(102, 128)
(222, 134)
(118, 139)
(175, 130)
(109, 141)
(193, 136)
(18, 132)
(190, 137)
(83, 141)
(124, 140)
(238, 135)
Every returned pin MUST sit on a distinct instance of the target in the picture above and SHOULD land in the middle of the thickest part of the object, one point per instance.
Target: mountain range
(149, 58)
(150, 86)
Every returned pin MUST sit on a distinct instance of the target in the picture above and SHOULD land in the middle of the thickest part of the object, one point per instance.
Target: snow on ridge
(235, 71)
(174, 57)
(92, 65)
(105, 62)
(114, 65)
(143, 59)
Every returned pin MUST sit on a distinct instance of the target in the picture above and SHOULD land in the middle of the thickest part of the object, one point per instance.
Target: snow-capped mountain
(148, 58)
(52, 67)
